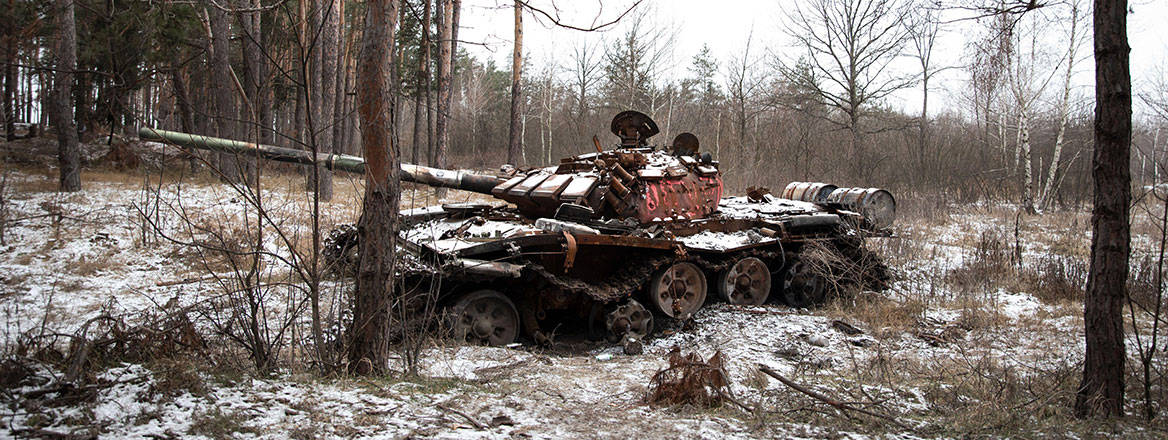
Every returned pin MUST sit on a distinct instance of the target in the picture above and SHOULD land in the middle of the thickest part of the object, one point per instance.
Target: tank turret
(630, 181)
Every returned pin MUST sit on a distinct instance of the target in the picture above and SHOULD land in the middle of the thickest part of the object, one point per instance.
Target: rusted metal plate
(521, 190)
(549, 190)
(578, 189)
(502, 189)
(624, 241)
(687, 197)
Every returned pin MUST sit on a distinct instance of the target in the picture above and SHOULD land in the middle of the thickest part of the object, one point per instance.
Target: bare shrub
(1142, 283)
(846, 266)
(264, 280)
(976, 394)
(690, 380)
(1056, 280)
(986, 265)
(928, 208)
(44, 369)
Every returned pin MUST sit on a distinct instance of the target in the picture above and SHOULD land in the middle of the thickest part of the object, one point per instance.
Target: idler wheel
(802, 287)
(679, 290)
(747, 282)
(629, 320)
(485, 317)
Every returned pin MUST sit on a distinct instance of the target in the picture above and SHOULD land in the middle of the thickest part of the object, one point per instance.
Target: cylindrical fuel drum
(815, 192)
(876, 205)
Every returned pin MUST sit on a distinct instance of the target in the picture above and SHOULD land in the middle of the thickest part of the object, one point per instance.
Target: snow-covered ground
(69, 258)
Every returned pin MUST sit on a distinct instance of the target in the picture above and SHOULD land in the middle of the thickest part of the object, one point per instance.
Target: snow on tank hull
(614, 278)
(609, 241)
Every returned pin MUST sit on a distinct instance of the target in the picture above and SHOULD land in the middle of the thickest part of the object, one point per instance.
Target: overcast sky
(727, 24)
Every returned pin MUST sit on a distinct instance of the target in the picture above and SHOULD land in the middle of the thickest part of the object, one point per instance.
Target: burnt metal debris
(608, 241)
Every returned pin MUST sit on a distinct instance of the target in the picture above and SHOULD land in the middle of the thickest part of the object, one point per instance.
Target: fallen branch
(468, 418)
(834, 403)
(54, 435)
(183, 281)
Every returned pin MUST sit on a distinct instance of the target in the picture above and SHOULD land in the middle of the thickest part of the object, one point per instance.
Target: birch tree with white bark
(1075, 42)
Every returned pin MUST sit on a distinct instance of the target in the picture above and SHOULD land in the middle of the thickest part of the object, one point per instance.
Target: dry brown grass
(885, 317)
(988, 263)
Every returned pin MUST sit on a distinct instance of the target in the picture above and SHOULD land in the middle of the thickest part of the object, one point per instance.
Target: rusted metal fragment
(569, 250)
(624, 241)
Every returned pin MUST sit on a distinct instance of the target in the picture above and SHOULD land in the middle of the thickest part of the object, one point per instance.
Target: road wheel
(629, 320)
(679, 290)
(747, 282)
(802, 287)
(485, 317)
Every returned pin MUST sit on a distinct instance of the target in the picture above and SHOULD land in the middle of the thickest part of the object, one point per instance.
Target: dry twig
(834, 403)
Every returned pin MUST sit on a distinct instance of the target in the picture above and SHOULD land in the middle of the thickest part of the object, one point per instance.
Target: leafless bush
(1055, 279)
(1142, 283)
(989, 262)
(43, 369)
(688, 380)
(261, 290)
(1145, 302)
(976, 393)
(847, 266)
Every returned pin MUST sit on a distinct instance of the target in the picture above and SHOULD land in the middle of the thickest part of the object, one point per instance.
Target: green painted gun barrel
(463, 180)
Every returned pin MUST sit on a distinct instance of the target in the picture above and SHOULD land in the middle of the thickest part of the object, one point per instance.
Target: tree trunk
(264, 106)
(255, 65)
(454, 17)
(1027, 168)
(1064, 112)
(324, 88)
(221, 89)
(1101, 391)
(377, 227)
(185, 113)
(427, 17)
(10, 74)
(339, 74)
(922, 141)
(421, 83)
(515, 142)
(68, 151)
(445, 64)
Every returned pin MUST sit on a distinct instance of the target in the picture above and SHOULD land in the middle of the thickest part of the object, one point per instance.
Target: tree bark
(224, 113)
(186, 115)
(427, 17)
(1050, 187)
(445, 64)
(68, 151)
(422, 84)
(339, 74)
(516, 142)
(1027, 167)
(377, 227)
(1101, 391)
(256, 69)
(10, 73)
(323, 84)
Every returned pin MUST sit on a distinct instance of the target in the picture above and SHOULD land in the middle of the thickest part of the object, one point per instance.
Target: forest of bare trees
(1016, 129)
(1026, 154)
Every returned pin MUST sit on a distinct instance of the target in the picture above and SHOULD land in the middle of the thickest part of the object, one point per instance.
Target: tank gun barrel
(409, 172)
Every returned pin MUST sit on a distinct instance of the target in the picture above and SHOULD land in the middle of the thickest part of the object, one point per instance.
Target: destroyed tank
(613, 240)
